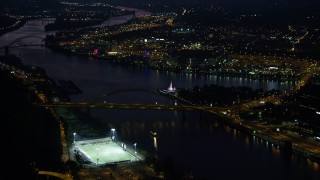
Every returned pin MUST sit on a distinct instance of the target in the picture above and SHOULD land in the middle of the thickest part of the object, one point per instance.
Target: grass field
(104, 152)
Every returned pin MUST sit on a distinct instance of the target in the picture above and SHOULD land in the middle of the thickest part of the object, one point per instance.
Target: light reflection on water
(195, 143)
(192, 133)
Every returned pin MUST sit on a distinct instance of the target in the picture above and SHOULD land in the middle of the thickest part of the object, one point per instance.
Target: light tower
(135, 148)
(74, 137)
(97, 155)
(113, 130)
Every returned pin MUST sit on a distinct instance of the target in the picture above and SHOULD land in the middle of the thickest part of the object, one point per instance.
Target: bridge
(55, 174)
(48, 21)
(130, 106)
(229, 113)
(17, 42)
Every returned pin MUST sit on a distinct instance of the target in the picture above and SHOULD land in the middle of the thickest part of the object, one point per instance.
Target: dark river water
(195, 143)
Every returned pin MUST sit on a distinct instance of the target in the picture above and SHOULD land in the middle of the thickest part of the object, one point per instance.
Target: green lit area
(105, 151)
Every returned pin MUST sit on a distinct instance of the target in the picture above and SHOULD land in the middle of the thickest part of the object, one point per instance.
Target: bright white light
(113, 130)
(135, 148)
(155, 143)
(74, 137)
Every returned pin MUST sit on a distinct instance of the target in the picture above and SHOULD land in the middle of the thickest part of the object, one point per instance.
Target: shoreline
(115, 60)
(224, 120)
(19, 25)
(287, 147)
(242, 128)
(250, 131)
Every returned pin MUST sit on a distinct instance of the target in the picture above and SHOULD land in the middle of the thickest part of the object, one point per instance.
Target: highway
(155, 106)
(55, 174)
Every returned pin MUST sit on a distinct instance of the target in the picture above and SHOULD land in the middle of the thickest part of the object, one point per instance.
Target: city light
(74, 137)
(258, 77)
(113, 135)
(135, 148)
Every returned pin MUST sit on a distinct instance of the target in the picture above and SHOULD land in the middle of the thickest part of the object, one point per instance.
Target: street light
(97, 155)
(74, 137)
(135, 148)
(113, 130)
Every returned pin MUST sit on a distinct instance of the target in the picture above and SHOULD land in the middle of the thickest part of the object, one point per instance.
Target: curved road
(55, 174)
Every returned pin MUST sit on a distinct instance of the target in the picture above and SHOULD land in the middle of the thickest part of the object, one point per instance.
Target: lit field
(104, 152)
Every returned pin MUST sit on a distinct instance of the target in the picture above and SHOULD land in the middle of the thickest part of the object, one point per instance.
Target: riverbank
(174, 131)
(36, 143)
(141, 63)
(289, 148)
(53, 128)
(286, 144)
(18, 24)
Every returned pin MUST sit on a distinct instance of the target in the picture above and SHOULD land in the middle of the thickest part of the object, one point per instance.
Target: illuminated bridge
(130, 106)
(231, 113)
(183, 105)
(100, 102)
(18, 42)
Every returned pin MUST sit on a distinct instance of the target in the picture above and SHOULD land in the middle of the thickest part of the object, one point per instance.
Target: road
(55, 174)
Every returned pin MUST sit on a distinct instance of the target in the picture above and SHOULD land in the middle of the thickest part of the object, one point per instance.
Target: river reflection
(199, 143)
(194, 142)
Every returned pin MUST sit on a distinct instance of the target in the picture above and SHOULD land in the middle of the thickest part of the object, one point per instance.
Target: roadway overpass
(175, 107)
(57, 175)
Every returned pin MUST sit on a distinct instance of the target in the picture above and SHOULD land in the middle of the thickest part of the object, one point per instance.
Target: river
(195, 145)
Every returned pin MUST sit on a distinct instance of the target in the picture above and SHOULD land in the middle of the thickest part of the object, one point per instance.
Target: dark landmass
(235, 5)
(30, 8)
(31, 135)
(9, 24)
(219, 95)
(69, 87)
(300, 106)
(78, 16)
